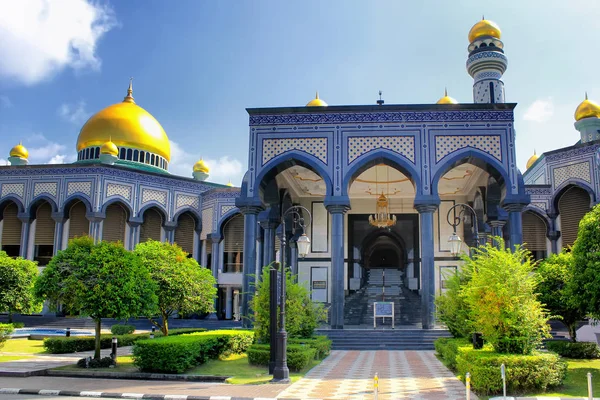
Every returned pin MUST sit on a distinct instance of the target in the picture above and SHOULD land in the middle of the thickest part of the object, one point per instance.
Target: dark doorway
(383, 252)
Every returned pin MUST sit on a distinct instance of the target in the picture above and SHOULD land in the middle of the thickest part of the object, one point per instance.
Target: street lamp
(281, 373)
(454, 240)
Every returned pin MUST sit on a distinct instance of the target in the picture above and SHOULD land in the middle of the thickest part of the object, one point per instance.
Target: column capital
(134, 223)
(337, 204)
(514, 207)
(95, 216)
(426, 208)
(24, 217)
(553, 235)
(515, 203)
(58, 217)
(170, 226)
(496, 223)
(214, 237)
(249, 205)
(426, 203)
(337, 208)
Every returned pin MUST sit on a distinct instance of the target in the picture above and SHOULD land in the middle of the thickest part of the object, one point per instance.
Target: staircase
(358, 308)
(387, 339)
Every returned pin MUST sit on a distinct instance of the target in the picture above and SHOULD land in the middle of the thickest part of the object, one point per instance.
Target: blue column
(553, 234)
(426, 211)
(497, 226)
(250, 212)
(59, 229)
(337, 212)
(169, 228)
(515, 222)
(269, 222)
(260, 234)
(215, 239)
(294, 256)
(25, 229)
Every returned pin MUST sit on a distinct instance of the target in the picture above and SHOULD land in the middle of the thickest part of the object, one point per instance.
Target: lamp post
(281, 373)
(454, 240)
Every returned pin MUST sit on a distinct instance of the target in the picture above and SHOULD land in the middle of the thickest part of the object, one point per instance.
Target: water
(23, 332)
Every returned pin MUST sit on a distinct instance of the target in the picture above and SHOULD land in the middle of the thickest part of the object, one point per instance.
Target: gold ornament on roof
(532, 160)
(587, 109)
(19, 151)
(201, 166)
(109, 148)
(446, 99)
(316, 102)
(484, 28)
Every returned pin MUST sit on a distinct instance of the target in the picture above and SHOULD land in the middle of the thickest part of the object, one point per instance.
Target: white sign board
(383, 309)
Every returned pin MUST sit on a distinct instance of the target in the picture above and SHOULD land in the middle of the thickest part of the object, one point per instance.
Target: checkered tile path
(411, 375)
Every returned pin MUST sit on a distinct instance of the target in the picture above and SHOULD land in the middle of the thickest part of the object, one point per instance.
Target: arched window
(573, 204)
(233, 245)
(185, 232)
(142, 156)
(534, 235)
(44, 234)
(122, 153)
(152, 159)
(129, 154)
(97, 152)
(79, 225)
(151, 227)
(11, 230)
(147, 158)
(87, 153)
(135, 155)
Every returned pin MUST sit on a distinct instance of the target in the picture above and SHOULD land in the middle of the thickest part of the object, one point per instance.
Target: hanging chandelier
(382, 217)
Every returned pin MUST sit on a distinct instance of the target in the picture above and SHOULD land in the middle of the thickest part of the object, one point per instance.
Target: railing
(233, 268)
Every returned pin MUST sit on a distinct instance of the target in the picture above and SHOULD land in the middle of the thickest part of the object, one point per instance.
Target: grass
(14, 358)
(21, 349)
(575, 384)
(235, 366)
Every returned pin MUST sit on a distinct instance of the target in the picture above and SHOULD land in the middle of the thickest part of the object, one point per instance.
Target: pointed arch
(154, 219)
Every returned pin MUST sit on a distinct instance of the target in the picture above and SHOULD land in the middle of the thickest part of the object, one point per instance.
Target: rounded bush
(122, 329)
(582, 350)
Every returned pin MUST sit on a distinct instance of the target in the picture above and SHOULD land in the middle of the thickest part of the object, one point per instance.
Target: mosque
(380, 182)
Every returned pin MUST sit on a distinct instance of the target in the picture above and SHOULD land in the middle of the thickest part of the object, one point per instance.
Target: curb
(50, 392)
(136, 375)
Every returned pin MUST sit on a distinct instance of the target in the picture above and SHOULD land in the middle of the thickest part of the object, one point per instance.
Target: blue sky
(198, 64)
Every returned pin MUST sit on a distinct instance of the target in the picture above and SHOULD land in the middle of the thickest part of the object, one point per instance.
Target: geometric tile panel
(541, 206)
(186, 200)
(207, 216)
(13, 188)
(313, 146)
(44, 187)
(225, 209)
(112, 189)
(154, 195)
(579, 170)
(445, 145)
(79, 187)
(404, 145)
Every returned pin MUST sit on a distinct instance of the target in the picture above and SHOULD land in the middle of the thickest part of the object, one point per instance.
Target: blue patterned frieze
(316, 147)
(114, 189)
(152, 195)
(448, 144)
(17, 189)
(49, 188)
(578, 171)
(359, 145)
(186, 200)
(83, 187)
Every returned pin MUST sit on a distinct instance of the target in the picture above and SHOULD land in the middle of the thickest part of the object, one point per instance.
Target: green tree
(183, 285)
(585, 284)
(17, 278)
(452, 309)
(302, 315)
(98, 280)
(556, 273)
(502, 299)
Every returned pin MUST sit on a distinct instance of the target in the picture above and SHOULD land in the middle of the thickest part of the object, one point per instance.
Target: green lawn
(235, 366)
(20, 349)
(575, 384)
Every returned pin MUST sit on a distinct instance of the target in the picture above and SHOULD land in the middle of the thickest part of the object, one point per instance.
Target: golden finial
(129, 97)
(445, 91)
(317, 95)
(586, 95)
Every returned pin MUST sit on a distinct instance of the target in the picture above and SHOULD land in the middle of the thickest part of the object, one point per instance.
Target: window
(152, 159)
(135, 155)
(129, 154)
(122, 154)
(97, 152)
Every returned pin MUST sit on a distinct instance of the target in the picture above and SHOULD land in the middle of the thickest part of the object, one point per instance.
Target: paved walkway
(402, 375)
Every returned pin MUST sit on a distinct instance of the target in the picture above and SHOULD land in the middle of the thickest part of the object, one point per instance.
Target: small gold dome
(484, 28)
(201, 166)
(316, 102)
(586, 109)
(19, 151)
(447, 99)
(109, 148)
(126, 124)
(230, 184)
(532, 160)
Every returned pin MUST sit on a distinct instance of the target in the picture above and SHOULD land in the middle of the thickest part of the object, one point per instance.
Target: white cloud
(74, 113)
(222, 170)
(5, 102)
(4, 162)
(540, 110)
(41, 38)
(47, 151)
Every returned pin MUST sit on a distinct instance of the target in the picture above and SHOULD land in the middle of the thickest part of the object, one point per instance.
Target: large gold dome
(587, 109)
(127, 125)
(484, 28)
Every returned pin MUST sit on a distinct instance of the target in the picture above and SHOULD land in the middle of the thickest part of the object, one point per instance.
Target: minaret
(486, 62)
(587, 120)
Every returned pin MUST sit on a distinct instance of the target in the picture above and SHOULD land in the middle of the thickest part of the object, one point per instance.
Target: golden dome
(316, 102)
(447, 99)
(484, 28)
(586, 109)
(201, 166)
(125, 124)
(19, 151)
(109, 148)
(230, 184)
(532, 160)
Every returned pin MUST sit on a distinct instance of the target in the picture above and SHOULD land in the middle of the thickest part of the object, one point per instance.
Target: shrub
(17, 325)
(122, 329)
(524, 373)
(451, 307)
(321, 344)
(90, 362)
(447, 349)
(298, 356)
(5, 331)
(587, 350)
(176, 354)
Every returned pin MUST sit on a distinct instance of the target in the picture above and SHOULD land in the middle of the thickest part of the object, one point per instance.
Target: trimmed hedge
(524, 373)
(73, 344)
(5, 331)
(177, 354)
(447, 348)
(18, 324)
(585, 350)
(122, 329)
(298, 356)
(321, 344)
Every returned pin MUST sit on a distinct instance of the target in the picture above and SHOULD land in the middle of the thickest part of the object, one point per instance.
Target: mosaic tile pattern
(186, 200)
(158, 196)
(79, 187)
(112, 189)
(314, 146)
(207, 222)
(13, 188)
(489, 144)
(412, 375)
(359, 145)
(226, 209)
(541, 206)
(579, 170)
(45, 187)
